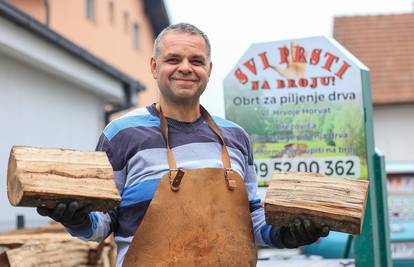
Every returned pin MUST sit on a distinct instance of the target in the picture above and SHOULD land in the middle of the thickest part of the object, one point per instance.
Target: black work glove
(70, 214)
(301, 232)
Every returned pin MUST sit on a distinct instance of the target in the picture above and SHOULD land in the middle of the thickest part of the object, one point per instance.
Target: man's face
(182, 68)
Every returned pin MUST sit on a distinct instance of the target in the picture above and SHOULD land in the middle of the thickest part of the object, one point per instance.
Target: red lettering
(241, 76)
(316, 53)
(342, 70)
(291, 83)
(284, 53)
(300, 54)
(265, 62)
(265, 85)
(303, 82)
(250, 65)
(325, 80)
(329, 61)
(255, 85)
(280, 84)
(314, 82)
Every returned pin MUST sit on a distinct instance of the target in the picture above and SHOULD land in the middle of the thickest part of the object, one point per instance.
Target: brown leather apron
(197, 217)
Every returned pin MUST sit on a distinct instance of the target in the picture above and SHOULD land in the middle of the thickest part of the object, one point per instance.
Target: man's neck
(187, 112)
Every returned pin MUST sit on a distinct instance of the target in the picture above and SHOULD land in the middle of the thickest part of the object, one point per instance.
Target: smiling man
(182, 66)
(186, 179)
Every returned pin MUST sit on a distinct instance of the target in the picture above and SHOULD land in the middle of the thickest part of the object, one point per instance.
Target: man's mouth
(184, 80)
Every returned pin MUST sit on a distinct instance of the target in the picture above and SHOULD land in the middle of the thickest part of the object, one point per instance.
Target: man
(138, 148)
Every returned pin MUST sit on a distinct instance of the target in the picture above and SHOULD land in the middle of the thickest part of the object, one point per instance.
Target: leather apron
(197, 217)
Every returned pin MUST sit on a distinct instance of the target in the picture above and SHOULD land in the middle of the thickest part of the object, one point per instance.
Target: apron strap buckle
(231, 183)
(176, 175)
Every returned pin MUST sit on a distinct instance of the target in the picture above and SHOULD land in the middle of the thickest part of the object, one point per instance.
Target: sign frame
(372, 246)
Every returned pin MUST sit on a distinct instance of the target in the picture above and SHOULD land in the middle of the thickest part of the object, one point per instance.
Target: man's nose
(185, 67)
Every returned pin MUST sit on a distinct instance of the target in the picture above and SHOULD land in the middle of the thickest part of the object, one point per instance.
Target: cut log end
(14, 187)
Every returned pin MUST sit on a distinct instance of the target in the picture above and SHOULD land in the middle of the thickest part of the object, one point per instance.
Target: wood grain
(336, 202)
(45, 176)
(52, 246)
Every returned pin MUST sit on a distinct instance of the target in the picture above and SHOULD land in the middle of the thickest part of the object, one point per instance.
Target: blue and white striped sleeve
(102, 224)
(262, 231)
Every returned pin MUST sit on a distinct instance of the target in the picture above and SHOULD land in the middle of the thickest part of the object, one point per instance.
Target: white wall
(394, 131)
(40, 109)
(27, 47)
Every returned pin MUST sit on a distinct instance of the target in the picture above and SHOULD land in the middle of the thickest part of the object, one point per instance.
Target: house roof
(131, 86)
(385, 43)
(157, 13)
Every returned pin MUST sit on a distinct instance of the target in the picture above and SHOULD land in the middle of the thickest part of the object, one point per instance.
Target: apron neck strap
(206, 116)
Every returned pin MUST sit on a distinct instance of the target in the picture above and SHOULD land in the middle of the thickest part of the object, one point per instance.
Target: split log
(53, 248)
(52, 253)
(42, 177)
(54, 227)
(336, 202)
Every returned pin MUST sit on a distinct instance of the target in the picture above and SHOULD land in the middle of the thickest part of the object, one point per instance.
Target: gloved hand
(301, 232)
(70, 214)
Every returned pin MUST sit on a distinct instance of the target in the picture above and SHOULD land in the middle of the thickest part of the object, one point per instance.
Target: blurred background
(68, 67)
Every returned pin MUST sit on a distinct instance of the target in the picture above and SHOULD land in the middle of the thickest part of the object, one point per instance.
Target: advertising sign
(301, 103)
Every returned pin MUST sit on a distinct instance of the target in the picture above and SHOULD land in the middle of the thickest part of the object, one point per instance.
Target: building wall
(393, 130)
(110, 40)
(36, 8)
(39, 109)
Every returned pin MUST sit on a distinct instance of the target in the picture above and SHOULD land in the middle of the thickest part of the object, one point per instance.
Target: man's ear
(210, 68)
(153, 64)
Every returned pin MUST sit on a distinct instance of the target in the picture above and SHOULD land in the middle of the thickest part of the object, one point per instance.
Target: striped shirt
(137, 153)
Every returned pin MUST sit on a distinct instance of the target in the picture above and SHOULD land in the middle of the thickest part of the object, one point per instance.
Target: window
(111, 12)
(90, 9)
(135, 36)
(126, 22)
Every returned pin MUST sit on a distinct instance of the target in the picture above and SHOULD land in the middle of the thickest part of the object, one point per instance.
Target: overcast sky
(232, 25)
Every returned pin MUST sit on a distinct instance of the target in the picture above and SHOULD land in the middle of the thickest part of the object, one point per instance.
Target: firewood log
(42, 177)
(53, 246)
(336, 202)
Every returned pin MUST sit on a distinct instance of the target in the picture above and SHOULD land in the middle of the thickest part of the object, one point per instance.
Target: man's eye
(197, 62)
(172, 60)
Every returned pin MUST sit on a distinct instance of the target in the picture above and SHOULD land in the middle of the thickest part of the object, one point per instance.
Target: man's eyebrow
(199, 57)
(172, 55)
